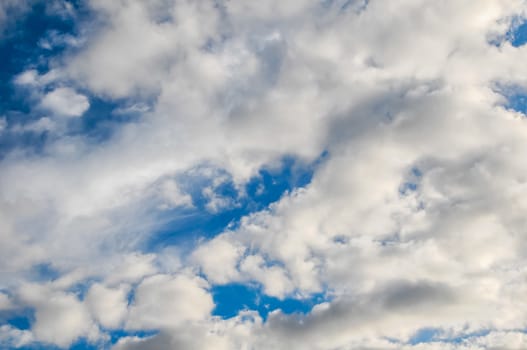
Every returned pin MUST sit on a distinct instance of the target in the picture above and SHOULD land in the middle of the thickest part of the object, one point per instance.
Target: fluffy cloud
(65, 102)
(412, 221)
(164, 301)
(60, 318)
(13, 337)
(107, 305)
(5, 302)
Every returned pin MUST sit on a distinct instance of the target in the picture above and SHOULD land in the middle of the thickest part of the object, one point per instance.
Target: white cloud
(5, 302)
(173, 196)
(107, 305)
(164, 301)
(131, 268)
(138, 46)
(65, 102)
(41, 125)
(218, 260)
(60, 318)
(384, 89)
(14, 338)
(216, 202)
(29, 77)
(274, 278)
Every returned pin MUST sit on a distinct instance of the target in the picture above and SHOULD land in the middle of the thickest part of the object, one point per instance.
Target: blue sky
(287, 175)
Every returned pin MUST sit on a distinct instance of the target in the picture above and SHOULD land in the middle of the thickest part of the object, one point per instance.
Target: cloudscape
(254, 175)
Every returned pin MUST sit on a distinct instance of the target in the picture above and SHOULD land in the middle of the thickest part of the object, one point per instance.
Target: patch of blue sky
(186, 226)
(518, 34)
(230, 299)
(33, 41)
(104, 117)
(20, 49)
(515, 97)
(429, 335)
(425, 335)
(115, 335)
(80, 289)
(517, 101)
(84, 344)
(81, 344)
(42, 346)
(43, 273)
(28, 141)
(408, 187)
(461, 338)
(417, 172)
(412, 183)
(22, 319)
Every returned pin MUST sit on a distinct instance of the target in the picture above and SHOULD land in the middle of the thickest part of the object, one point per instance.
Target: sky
(231, 174)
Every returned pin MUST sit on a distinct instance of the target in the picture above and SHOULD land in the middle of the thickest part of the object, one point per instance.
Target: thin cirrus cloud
(257, 175)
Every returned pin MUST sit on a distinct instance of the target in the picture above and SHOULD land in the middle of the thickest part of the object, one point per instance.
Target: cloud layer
(151, 116)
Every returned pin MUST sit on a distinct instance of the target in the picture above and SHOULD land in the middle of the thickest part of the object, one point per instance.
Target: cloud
(60, 317)
(5, 302)
(107, 305)
(163, 301)
(413, 220)
(65, 102)
(13, 337)
(140, 44)
(218, 259)
(3, 124)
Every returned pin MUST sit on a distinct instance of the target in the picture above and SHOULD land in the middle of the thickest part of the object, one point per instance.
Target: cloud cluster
(413, 224)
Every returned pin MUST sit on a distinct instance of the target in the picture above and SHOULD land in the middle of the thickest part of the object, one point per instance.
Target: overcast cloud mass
(274, 174)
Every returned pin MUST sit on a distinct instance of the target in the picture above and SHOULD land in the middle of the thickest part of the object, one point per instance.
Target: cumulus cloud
(60, 318)
(413, 221)
(5, 302)
(65, 102)
(163, 301)
(13, 337)
(107, 305)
